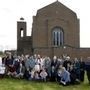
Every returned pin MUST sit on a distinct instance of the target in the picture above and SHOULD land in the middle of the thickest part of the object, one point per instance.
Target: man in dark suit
(53, 68)
(82, 70)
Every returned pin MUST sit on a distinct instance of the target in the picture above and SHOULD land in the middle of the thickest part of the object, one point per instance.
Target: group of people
(60, 69)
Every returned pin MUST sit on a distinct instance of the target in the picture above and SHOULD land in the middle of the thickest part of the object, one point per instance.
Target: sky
(12, 10)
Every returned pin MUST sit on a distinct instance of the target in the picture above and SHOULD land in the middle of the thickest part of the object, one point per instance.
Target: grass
(16, 84)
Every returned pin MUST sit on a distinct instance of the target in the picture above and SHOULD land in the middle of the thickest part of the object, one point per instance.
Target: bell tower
(21, 28)
(21, 34)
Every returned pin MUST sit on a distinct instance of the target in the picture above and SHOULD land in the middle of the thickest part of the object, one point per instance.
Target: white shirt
(43, 74)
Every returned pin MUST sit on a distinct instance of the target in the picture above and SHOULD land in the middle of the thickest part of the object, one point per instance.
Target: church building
(55, 31)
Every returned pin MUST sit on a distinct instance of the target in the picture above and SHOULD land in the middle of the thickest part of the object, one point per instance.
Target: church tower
(21, 28)
(24, 42)
(21, 33)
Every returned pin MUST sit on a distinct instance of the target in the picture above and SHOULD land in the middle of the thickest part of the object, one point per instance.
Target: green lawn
(16, 84)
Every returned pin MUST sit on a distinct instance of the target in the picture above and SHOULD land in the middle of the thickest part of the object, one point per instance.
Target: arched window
(21, 32)
(57, 36)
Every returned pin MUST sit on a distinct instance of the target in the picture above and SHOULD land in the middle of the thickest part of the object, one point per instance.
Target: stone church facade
(55, 31)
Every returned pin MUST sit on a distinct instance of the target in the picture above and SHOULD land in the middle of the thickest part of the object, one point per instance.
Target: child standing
(43, 75)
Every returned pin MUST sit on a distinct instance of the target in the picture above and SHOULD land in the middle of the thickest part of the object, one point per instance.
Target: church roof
(55, 4)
